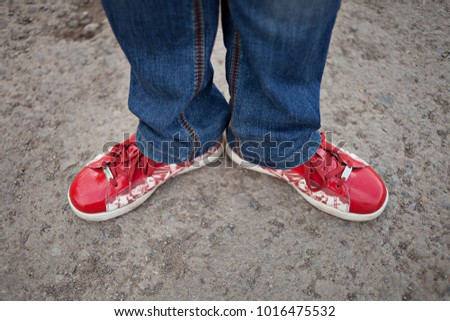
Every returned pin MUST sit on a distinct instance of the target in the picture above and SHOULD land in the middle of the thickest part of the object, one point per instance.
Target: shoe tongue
(350, 159)
(323, 156)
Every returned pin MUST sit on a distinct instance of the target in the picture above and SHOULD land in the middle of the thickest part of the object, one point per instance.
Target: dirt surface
(224, 233)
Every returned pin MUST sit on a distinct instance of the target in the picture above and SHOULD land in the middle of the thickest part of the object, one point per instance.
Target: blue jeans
(276, 52)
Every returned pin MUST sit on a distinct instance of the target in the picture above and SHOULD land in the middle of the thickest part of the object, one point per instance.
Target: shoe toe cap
(368, 192)
(88, 191)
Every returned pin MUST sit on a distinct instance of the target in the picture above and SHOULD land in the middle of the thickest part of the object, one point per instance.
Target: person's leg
(275, 61)
(182, 114)
(168, 45)
(276, 57)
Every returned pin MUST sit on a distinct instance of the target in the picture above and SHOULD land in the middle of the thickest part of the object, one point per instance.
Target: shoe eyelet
(338, 186)
(311, 170)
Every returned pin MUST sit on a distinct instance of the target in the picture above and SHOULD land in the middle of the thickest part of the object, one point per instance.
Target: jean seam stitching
(198, 45)
(192, 134)
(235, 64)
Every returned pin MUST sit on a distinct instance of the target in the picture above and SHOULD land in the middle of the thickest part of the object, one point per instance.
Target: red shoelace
(327, 163)
(125, 159)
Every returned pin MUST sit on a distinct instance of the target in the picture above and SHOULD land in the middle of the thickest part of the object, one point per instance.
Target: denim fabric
(276, 52)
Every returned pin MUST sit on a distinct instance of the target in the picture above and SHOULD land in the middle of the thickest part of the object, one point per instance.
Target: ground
(224, 233)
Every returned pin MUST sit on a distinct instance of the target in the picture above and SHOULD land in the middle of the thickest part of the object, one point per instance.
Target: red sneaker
(334, 181)
(118, 182)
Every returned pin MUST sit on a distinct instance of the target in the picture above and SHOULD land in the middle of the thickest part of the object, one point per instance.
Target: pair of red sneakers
(334, 181)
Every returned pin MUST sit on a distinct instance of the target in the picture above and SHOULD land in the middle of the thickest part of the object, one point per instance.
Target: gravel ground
(224, 233)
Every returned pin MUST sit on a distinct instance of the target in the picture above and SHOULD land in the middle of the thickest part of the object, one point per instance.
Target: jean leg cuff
(276, 154)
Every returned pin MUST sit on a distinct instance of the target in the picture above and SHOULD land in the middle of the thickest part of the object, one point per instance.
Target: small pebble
(394, 180)
(411, 207)
(90, 30)
(387, 101)
(73, 24)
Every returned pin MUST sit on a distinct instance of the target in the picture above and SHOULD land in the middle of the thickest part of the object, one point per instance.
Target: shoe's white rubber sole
(321, 206)
(103, 216)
